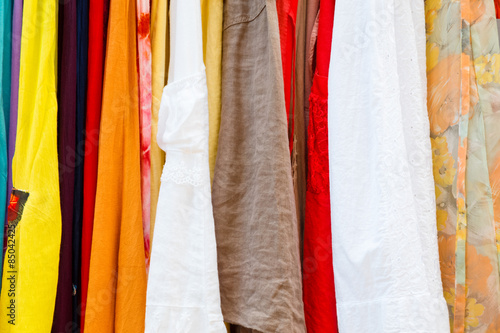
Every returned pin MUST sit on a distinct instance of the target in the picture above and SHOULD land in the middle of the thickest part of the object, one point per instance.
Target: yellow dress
(32, 260)
(211, 16)
(159, 65)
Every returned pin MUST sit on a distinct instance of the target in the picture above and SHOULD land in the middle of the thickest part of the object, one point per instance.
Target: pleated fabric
(5, 81)
(34, 211)
(385, 255)
(253, 200)
(98, 10)
(211, 15)
(159, 68)
(81, 108)
(318, 282)
(116, 299)
(144, 67)
(17, 20)
(66, 122)
(463, 83)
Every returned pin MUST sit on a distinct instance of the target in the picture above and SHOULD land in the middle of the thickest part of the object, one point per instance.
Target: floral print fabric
(463, 64)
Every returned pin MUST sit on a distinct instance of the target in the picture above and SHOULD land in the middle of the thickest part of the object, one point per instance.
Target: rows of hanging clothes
(295, 166)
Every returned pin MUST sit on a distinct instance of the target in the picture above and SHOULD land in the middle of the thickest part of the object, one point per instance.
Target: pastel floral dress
(463, 71)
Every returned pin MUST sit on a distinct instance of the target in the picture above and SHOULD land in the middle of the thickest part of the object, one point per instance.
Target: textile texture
(384, 245)
(67, 157)
(117, 265)
(319, 288)
(145, 100)
(463, 59)
(98, 10)
(159, 65)
(254, 208)
(34, 239)
(211, 14)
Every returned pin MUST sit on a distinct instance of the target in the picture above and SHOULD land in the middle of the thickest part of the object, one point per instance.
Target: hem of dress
(419, 313)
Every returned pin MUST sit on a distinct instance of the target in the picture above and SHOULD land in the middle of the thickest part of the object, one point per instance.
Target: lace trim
(179, 173)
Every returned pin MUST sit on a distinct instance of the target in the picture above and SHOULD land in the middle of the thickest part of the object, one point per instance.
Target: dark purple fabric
(81, 106)
(17, 20)
(63, 313)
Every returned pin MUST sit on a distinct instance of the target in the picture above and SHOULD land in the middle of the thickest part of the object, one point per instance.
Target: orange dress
(116, 299)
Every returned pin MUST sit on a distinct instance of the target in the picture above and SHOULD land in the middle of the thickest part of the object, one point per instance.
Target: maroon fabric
(63, 312)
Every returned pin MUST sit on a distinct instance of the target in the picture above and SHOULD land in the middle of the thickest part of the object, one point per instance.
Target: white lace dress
(385, 253)
(183, 286)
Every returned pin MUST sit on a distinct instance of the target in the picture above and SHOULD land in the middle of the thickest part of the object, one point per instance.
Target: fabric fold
(117, 265)
(385, 254)
(34, 226)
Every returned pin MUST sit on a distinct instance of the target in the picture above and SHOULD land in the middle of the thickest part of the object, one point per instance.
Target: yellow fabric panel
(159, 50)
(116, 299)
(36, 243)
(211, 13)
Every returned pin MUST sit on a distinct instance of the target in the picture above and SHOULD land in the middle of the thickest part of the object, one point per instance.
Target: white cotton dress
(385, 251)
(183, 285)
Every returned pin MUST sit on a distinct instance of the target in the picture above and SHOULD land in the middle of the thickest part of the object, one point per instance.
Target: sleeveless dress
(385, 254)
(183, 286)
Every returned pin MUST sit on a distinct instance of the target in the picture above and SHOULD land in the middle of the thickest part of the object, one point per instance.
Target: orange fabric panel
(117, 283)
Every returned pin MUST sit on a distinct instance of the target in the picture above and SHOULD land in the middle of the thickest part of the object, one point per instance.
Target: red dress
(318, 284)
(98, 11)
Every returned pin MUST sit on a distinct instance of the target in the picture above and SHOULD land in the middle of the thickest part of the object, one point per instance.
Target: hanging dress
(116, 299)
(317, 271)
(82, 18)
(66, 121)
(254, 208)
(287, 18)
(463, 71)
(144, 72)
(159, 62)
(298, 158)
(34, 232)
(98, 10)
(211, 19)
(183, 287)
(385, 254)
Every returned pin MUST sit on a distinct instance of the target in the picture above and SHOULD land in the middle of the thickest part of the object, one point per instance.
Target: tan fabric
(311, 26)
(254, 208)
(299, 145)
